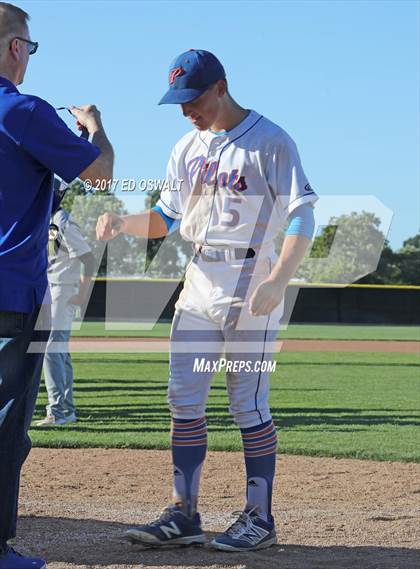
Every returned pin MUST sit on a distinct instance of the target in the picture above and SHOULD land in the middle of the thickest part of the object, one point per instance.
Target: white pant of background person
(58, 369)
(212, 319)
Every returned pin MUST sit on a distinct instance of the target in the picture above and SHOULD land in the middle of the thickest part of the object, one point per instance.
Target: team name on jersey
(207, 171)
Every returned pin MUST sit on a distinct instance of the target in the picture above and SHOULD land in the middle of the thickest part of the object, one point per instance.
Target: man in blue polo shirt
(34, 144)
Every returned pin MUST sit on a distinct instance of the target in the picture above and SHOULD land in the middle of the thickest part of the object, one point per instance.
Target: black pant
(20, 374)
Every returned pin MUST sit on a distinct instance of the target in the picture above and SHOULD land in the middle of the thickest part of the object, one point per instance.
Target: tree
(413, 242)
(346, 250)
(76, 189)
(409, 261)
(398, 267)
(124, 257)
(388, 270)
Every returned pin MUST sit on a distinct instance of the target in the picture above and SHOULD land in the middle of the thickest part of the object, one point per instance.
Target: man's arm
(292, 252)
(270, 293)
(102, 168)
(148, 224)
(302, 225)
(298, 236)
(48, 140)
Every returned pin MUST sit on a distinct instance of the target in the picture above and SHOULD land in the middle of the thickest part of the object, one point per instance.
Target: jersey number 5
(230, 215)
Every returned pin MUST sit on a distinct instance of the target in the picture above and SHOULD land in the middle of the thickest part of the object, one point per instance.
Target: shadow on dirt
(93, 543)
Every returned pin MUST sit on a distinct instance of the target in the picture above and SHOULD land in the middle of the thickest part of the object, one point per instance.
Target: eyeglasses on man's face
(32, 45)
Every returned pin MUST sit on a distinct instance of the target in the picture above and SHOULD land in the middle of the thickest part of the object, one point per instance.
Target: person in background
(34, 143)
(68, 251)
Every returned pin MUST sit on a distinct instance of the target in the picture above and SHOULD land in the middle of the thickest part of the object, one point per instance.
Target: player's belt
(213, 255)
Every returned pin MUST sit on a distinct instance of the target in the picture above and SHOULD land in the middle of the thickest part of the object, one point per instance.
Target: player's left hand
(266, 297)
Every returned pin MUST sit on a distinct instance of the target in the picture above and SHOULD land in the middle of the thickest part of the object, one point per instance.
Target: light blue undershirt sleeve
(171, 224)
(301, 221)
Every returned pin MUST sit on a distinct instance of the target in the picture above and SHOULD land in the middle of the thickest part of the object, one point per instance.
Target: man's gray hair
(13, 21)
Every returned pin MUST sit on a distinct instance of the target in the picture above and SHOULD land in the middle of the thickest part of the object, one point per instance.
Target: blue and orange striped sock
(189, 447)
(260, 444)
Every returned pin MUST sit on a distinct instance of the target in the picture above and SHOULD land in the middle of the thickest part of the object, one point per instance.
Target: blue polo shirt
(34, 144)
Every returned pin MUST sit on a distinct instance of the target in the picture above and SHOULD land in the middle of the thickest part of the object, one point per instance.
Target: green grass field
(358, 405)
(294, 331)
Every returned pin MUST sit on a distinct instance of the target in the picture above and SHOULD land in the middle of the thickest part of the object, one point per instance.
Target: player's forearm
(88, 264)
(84, 286)
(148, 224)
(291, 255)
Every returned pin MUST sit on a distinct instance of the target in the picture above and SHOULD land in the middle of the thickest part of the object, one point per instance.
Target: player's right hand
(108, 226)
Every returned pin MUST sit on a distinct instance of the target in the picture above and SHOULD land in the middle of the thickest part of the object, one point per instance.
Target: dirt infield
(95, 344)
(330, 513)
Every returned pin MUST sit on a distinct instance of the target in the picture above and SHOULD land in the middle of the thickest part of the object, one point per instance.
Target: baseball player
(242, 184)
(68, 251)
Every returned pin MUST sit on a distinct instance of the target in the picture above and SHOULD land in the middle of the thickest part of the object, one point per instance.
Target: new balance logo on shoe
(253, 535)
(249, 533)
(172, 527)
(173, 530)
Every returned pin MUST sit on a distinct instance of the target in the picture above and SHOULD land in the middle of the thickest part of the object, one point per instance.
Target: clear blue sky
(341, 77)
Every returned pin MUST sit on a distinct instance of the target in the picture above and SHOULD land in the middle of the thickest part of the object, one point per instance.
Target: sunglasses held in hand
(85, 132)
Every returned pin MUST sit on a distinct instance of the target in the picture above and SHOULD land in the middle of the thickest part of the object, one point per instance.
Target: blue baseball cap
(190, 74)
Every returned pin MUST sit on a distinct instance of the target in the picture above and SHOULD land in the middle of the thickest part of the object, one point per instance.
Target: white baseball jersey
(238, 187)
(65, 245)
